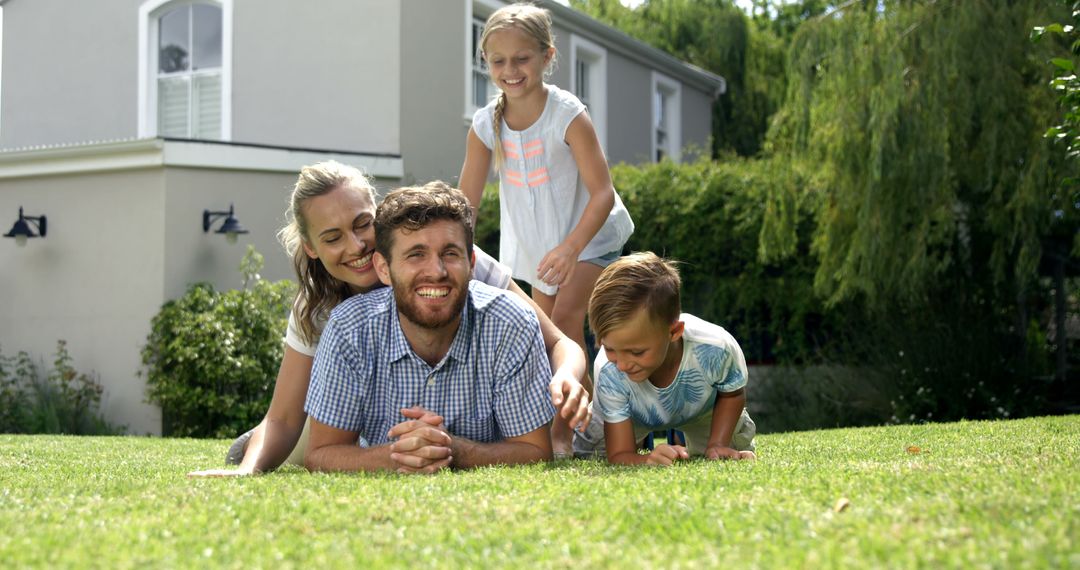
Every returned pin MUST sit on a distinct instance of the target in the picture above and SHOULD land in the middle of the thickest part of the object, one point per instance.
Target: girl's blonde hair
(319, 292)
(536, 23)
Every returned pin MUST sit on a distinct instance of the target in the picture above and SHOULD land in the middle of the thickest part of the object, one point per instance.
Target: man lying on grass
(436, 371)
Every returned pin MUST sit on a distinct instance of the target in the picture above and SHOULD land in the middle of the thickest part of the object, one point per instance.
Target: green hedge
(956, 354)
(709, 216)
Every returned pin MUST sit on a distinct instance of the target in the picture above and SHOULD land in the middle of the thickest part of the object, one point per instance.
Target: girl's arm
(275, 438)
(568, 365)
(622, 448)
(475, 171)
(557, 266)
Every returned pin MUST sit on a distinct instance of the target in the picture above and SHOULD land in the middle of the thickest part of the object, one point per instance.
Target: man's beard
(409, 307)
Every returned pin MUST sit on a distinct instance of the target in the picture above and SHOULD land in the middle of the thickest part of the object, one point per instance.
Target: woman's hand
(221, 473)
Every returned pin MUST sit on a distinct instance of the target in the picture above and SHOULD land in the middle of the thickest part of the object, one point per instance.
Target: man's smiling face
(429, 270)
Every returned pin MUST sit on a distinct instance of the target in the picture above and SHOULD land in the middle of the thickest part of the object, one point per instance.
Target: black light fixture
(22, 231)
(231, 228)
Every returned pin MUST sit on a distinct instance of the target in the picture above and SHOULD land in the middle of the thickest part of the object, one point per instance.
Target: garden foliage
(60, 401)
(211, 357)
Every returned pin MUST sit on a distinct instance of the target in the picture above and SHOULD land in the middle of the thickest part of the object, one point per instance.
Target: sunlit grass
(973, 494)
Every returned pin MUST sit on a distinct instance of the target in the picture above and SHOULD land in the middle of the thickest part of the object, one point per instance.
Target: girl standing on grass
(561, 221)
(331, 239)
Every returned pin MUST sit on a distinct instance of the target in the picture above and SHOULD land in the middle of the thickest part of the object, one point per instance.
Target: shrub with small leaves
(63, 401)
(212, 357)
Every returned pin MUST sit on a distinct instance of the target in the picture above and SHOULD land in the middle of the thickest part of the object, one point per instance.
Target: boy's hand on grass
(422, 445)
(221, 473)
(571, 400)
(725, 452)
(664, 455)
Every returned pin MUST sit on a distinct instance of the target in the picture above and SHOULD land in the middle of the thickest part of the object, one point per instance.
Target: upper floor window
(667, 116)
(184, 70)
(589, 81)
(483, 90)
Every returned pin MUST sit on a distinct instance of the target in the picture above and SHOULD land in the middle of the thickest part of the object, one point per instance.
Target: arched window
(184, 79)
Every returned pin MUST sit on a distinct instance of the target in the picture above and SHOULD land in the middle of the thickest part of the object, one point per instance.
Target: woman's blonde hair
(536, 23)
(319, 292)
(631, 283)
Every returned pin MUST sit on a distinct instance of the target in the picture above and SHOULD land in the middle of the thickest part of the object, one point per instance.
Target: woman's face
(341, 234)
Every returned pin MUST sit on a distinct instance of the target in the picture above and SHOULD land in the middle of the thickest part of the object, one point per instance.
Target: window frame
(476, 67)
(595, 58)
(149, 13)
(671, 90)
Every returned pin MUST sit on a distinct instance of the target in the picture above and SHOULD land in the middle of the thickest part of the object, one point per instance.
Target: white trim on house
(672, 91)
(488, 6)
(154, 152)
(149, 11)
(595, 56)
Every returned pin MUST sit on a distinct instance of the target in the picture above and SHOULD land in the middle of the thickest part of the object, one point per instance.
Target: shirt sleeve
(520, 400)
(725, 366)
(612, 396)
(488, 270)
(569, 108)
(482, 126)
(338, 379)
(295, 339)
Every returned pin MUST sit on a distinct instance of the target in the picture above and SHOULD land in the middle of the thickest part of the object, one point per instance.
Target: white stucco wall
(93, 281)
(323, 76)
(78, 83)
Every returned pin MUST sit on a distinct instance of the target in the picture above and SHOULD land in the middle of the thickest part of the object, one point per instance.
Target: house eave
(639, 51)
(130, 154)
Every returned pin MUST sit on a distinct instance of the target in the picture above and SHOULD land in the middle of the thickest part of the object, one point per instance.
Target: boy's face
(640, 345)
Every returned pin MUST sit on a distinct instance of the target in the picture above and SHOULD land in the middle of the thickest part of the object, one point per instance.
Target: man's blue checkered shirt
(491, 385)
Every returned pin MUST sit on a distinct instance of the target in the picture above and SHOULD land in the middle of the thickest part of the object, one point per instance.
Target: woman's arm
(275, 438)
(474, 171)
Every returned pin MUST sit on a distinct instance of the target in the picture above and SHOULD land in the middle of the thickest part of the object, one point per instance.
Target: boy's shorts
(590, 443)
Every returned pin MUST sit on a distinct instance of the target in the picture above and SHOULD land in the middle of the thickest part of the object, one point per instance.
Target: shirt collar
(399, 347)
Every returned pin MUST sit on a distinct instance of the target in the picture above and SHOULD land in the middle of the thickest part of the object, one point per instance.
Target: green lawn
(974, 494)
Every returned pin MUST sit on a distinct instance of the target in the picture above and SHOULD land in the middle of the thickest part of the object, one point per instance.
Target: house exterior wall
(94, 280)
(630, 133)
(322, 77)
(260, 199)
(696, 121)
(433, 91)
(79, 84)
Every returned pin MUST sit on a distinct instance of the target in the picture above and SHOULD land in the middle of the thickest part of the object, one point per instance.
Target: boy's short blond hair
(632, 282)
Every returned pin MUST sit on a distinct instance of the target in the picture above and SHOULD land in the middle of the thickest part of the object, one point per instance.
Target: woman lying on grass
(331, 239)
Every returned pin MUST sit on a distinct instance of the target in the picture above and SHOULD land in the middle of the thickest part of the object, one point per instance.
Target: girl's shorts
(604, 260)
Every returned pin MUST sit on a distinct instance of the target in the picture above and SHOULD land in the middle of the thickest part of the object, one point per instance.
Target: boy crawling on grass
(659, 369)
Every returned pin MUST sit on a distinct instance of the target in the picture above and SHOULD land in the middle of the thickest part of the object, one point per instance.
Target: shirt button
(431, 381)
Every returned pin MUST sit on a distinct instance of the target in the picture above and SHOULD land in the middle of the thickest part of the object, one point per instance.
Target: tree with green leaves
(717, 36)
(923, 123)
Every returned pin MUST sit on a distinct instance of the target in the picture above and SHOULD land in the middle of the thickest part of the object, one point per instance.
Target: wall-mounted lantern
(22, 231)
(231, 228)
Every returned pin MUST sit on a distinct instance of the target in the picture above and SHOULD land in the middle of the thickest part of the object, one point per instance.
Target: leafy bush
(211, 357)
(63, 401)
